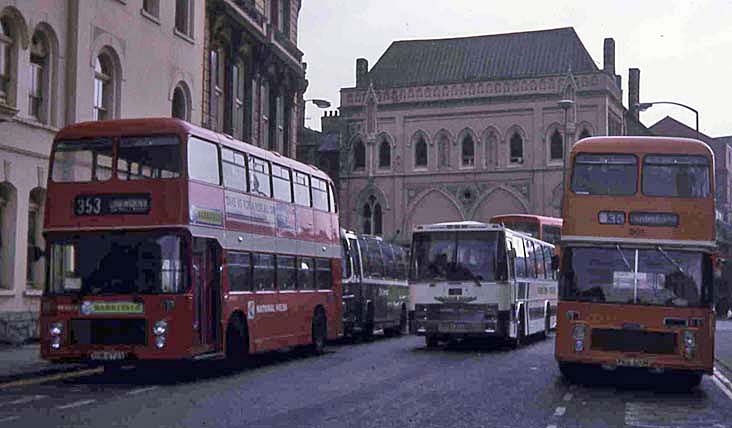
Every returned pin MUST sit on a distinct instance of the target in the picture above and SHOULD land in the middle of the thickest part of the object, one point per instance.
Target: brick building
(466, 128)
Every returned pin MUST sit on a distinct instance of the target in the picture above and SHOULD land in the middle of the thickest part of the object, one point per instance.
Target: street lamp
(565, 104)
(645, 106)
(319, 102)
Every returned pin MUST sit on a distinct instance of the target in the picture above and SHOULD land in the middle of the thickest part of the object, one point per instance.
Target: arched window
(372, 217)
(384, 154)
(34, 263)
(103, 87)
(420, 153)
(556, 146)
(39, 73)
(8, 204)
(517, 149)
(443, 152)
(180, 103)
(359, 155)
(7, 59)
(585, 133)
(468, 151)
(491, 145)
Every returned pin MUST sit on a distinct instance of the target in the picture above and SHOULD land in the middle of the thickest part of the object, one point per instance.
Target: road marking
(76, 404)
(567, 396)
(560, 411)
(141, 390)
(9, 418)
(551, 426)
(723, 383)
(691, 412)
(24, 400)
(44, 379)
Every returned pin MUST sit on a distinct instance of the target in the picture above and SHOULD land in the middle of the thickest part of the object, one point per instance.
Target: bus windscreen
(454, 256)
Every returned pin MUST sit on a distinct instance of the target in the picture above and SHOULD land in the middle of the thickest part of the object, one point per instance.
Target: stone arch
(443, 146)
(181, 89)
(419, 145)
(8, 221)
(357, 142)
(585, 126)
(51, 81)
(432, 206)
(549, 140)
(499, 200)
(513, 131)
(112, 54)
(491, 138)
(35, 268)
(467, 145)
(19, 23)
(371, 199)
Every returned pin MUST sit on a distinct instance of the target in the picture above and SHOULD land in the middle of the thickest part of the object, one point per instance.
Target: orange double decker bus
(547, 229)
(636, 270)
(167, 241)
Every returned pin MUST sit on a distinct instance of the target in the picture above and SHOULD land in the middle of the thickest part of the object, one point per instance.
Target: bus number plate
(633, 362)
(108, 355)
(452, 328)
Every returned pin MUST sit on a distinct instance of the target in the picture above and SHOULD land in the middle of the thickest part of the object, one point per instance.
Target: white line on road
(567, 396)
(75, 404)
(551, 426)
(141, 390)
(560, 411)
(9, 418)
(723, 383)
(23, 400)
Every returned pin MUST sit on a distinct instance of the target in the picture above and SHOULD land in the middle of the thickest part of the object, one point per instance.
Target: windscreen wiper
(627, 264)
(672, 261)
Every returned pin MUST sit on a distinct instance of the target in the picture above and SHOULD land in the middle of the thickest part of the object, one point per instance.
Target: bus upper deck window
(605, 174)
(82, 160)
(140, 158)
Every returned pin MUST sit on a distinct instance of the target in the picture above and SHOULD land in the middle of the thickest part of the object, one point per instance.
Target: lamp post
(320, 103)
(565, 104)
(645, 106)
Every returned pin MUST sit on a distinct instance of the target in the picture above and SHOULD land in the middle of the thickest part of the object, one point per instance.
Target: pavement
(23, 361)
(723, 344)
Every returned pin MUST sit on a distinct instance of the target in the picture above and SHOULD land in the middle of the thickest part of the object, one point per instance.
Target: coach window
(548, 262)
(264, 271)
(259, 176)
(302, 189)
(332, 199)
(539, 254)
(323, 275)
(530, 260)
(372, 258)
(234, 168)
(286, 273)
(518, 245)
(203, 161)
(320, 194)
(281, 183)
(305, 273)
(239, 271)
(390, 268)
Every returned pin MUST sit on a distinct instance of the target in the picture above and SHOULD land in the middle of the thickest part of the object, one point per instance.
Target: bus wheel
(236, 342)
(521, 329)
(319, 332)
(547, 323)
(568, 371)
(403, 322)
(431, 341)
(368, 326)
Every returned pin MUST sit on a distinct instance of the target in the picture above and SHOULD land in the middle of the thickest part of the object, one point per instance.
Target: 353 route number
(88, 205)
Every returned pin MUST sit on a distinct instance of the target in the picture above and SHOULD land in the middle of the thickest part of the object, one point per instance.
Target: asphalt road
(385, 383)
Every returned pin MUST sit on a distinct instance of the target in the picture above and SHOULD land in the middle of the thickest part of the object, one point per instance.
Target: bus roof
(642, 145)
(537, 218)
(169, 125)
(470, 226)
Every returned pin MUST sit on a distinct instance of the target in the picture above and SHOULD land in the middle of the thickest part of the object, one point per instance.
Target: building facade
(69, 61)
(467, 128)
(254, 77)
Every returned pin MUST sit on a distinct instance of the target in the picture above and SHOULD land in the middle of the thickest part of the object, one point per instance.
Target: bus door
(206, 291)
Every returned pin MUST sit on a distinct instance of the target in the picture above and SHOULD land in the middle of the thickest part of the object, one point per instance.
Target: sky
(683, 48)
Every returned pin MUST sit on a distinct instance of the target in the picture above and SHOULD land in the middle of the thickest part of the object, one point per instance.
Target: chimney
(330, 122)
(633, 90)
(362, 68)
(619, 81)
(609, 57)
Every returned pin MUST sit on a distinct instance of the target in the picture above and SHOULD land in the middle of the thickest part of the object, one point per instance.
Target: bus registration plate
(632, 362)
(453, 327)
(108, 355)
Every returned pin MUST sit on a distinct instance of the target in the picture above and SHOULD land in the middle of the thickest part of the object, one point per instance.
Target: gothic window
(372, 217)
(468, 151)
(490, 146)
(585, 133)
(556, 145)
(103, 87)
(359, 155)
(384, 154)
(38, 90)
(443, 152)
(7, 60)
(420, 153)
(517, 149)
(180, 103)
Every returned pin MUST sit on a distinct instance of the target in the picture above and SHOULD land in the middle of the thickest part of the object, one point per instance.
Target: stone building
(67, 61)
(254, 77)
(466, 128)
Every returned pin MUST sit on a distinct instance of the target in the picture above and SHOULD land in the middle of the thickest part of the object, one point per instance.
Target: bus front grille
(649, 342)
(108, 332)
(455, 312)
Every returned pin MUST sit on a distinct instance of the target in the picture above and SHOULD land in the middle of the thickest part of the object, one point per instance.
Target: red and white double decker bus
(638, 243)
(168, 241)
(547, 229)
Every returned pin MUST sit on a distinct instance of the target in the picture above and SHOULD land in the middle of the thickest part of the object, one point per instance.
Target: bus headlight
(57, 328)
(160, 342)
(55, 342)
(160, 328)
(689, 343)
(579, 332)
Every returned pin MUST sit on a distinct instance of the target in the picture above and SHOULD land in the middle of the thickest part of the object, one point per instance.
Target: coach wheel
(547, 322)
(319, 332)
(236, 342)
(368, 325)
(403, 322)
(521, 328)
(431, 341)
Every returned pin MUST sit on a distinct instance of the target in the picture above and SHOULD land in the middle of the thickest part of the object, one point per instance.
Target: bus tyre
(236, 342)
(368, 326)
(431, 341)
(403, 322)
(520, 329)
(319, 332)
(547, 323)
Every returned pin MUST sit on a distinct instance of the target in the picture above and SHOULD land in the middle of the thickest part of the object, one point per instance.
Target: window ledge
(184, 36)
(36, 124)
(150, 16)
(7, 112)
(7, 293)
(33, 293)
